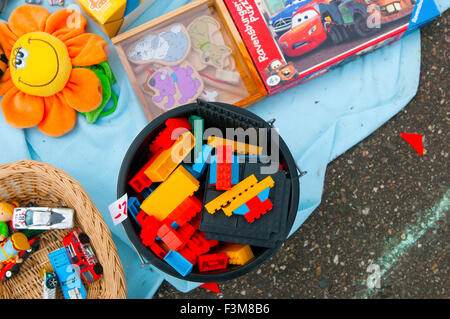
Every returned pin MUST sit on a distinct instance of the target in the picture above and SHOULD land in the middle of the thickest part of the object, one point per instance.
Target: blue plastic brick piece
(178, 262)
(241, 210)
(134, 207)
(201, 161)
(235, 171)
(190, 170)
(264, 194)
(146, 192)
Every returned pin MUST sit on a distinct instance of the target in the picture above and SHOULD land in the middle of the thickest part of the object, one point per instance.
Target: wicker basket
(45, 185)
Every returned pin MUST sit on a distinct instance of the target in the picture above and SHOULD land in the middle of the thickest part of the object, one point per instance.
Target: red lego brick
(170, 237)
(158, 250)
(211, 286)
(259, 210)
(140, 180)
(211, 262)
(187, 210)
(186, 232)
(195, 222)
(165, 139)
(198, 243)
(150, 226)
(189, 254)
(224, 163)
(140, 217)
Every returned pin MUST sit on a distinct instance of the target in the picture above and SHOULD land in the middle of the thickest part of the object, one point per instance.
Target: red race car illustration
(307, 32)
(82, 255)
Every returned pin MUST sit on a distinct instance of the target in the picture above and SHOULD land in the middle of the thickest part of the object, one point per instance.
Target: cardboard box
(292, 41)
(114, 16)
(192, 52)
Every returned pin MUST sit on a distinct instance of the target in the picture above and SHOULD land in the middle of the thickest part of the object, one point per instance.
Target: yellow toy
(6, 212)
(239, 195)
(171, 193)
(169, 159)
(238, 147)
(47, 81)
(11, 247)
(238, 254)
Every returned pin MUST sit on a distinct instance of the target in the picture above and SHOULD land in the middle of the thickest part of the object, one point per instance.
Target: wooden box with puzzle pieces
(192, 52)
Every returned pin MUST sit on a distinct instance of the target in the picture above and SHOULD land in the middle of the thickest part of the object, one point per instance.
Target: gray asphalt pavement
(383, 204)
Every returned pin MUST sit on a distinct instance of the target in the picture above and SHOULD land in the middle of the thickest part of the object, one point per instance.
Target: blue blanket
(319, 120)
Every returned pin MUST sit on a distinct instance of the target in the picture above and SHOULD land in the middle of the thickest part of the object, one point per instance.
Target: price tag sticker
(119, 210)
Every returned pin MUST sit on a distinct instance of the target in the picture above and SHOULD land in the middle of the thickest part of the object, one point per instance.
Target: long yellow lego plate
(230, 195)
(238, 147)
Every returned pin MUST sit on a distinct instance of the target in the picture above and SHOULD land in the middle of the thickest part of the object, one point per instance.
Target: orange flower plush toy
(46, 82)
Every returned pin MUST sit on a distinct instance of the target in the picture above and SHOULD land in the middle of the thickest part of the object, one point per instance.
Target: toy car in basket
(49, 283)
(68, 276)
(42, 218)
(11, 269)
(81, 254)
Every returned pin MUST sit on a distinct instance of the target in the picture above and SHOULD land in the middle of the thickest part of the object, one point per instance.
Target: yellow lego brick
(169, 159)
(249, 193)
(229, 196)
(170, 193)
(238, 254)
(238, 147)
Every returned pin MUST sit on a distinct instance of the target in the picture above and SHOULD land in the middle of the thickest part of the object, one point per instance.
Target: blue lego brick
(201, 160)
(146, 192)
(178, 262)
(264, 194)
(190, 170)
(241, 210)
(134, 207)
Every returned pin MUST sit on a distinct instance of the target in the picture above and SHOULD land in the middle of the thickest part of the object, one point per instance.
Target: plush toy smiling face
(40, 64)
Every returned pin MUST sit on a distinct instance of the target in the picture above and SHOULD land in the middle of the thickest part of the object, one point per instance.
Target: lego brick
(224, 164)
(201, 160)
(146, 192)
(140, 181)
(158, 250)
(238, 147)
(239, 194)
(210, 262)
(235, 171)
(134, 206)
(167, 137)
(170, 237)
(238, 254)
(189, 254)
(199, 244)
(149, 230)
(178, 262)
(140, 217)
(264, 232)
(197, 124)
(186, 232)
(230, 195)
(170, 193)
(168, 160)
(187, 210)
(259, 210)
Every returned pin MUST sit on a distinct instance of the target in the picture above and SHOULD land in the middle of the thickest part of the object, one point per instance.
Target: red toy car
(307, 32)
(82, 255)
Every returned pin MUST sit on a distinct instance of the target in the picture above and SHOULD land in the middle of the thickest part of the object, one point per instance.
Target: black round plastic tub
(217, 115)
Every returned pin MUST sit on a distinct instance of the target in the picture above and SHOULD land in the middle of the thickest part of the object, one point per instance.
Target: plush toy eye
(22, 53)
(19, 63)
